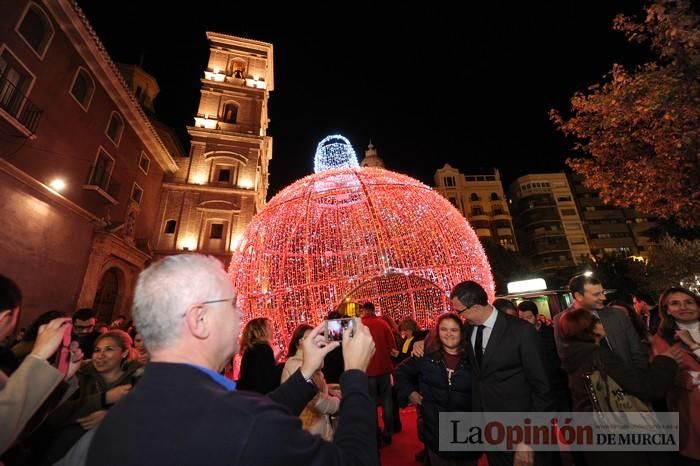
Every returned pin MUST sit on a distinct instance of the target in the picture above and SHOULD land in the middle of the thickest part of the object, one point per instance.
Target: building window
(144, 163)
(449, 181)
(102, 170)
(224, 175)
(115, 128)
(590, 209)
(83, 88)
(477, 211)
(217, 231)
(15, 81)
(230, 113)
(170, 227)
(568, 212)
(564, 198)
(136, 193)
(474, 197)
(495, 197)
(36, 29)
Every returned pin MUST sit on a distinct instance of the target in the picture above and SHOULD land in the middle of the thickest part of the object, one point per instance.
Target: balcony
(22, 110)
(102, 185)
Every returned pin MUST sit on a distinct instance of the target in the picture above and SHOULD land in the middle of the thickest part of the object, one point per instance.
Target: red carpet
(405, 444)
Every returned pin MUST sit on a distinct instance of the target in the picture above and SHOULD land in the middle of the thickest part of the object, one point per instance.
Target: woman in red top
(680, 313)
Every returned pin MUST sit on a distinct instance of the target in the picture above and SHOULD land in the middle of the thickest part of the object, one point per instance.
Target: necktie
(606, 342)
(478, 344)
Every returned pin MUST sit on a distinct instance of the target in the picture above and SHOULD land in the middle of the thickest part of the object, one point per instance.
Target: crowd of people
(158, 389)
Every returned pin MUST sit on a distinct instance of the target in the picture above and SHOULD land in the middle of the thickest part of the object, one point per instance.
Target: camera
(336, 327)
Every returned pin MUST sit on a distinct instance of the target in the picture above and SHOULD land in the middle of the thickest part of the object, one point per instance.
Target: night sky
(471, 89)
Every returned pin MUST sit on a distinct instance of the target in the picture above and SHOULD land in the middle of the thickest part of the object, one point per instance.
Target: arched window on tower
(230, 113)
(474, 197)
(494, 197)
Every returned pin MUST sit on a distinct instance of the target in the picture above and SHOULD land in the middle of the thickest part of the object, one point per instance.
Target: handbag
(606, 395)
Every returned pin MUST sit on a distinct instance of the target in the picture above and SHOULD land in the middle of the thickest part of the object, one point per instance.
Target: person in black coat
(440, 381)
(183, 412)
(259, 371)
(583, 331)
(509, 374)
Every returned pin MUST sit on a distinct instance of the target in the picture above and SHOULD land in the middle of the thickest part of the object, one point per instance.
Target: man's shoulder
(612, 313)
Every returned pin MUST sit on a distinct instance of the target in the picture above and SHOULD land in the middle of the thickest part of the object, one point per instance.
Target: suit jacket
(623, 338)
(512, 376)
(23, 393)
(178, 415)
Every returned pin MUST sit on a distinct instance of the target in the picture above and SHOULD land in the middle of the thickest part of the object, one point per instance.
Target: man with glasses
(508, 372)
(183, 412)
(84, 330)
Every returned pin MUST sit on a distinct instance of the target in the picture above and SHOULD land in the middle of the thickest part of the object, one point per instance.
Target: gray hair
(167, 288)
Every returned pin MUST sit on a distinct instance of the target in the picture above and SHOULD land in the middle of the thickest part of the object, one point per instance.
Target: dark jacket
(428, 376)
(647, 384)
(558, 378)
(259, 371)
(178, 415)
(333, 365)
(621, 335)
(512, 376)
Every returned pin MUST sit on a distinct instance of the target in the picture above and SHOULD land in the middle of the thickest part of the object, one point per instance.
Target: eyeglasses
(217, 301)
(464, 309)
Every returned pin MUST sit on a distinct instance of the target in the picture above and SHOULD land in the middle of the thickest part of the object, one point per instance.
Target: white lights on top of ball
(334, 152)
(347, 235)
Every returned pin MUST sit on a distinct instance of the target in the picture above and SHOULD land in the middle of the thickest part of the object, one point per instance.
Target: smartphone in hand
(63, 355)
(336, 327)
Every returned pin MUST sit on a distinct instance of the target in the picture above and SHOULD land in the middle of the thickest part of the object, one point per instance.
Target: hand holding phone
(51, 336)
(336, 327)
(63, 355)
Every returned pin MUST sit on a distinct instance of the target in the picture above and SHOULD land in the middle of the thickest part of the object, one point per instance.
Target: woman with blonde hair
(259, 372)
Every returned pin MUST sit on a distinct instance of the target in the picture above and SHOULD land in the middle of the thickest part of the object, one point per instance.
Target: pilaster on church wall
(191, 217)
(209, 104)
(246, 213)
(218, 60)
(200, 165)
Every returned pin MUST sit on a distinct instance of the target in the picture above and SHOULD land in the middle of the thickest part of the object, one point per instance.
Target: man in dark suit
(509, 374)
(183, 412)
(621, 338)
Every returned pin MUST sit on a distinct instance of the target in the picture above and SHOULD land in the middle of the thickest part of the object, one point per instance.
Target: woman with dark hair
(680, 322)
(583, 331)
(409, 332)
(102, 381)
(315, 417)
(259, 371)
(439, 381)
(24, 347)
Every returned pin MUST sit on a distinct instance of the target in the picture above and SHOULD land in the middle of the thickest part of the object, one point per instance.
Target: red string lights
(348, 235)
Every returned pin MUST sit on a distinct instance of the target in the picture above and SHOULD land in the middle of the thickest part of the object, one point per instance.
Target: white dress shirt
(488, 327)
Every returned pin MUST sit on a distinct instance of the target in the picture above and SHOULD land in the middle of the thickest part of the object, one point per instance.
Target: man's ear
(197, 321)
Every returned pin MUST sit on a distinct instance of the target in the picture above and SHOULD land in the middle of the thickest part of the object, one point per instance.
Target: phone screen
(336, 327)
